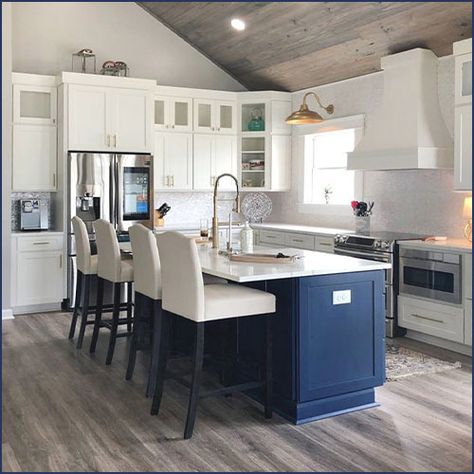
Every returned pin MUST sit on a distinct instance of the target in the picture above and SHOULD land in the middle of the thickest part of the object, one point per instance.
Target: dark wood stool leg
(129, 305)
(162, 324)
(196, 382)
(154, 358)
(137, 322)
(98, 313)
(115, 322)
(268, 372)
(85, 309)
(77, 304)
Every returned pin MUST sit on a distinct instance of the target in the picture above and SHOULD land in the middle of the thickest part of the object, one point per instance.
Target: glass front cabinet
(173, 114)
(34, 104)
(264, 142)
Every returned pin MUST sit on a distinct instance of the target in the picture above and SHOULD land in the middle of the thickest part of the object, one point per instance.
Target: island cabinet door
(340, 334)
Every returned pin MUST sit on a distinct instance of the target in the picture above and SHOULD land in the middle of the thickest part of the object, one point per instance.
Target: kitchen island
(328, 332)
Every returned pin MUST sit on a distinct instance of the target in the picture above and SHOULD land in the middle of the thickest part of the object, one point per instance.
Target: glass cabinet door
(466, 78)
(203, 116)
(34, 104)
(160, 112)
(225, 117)
(181, 114)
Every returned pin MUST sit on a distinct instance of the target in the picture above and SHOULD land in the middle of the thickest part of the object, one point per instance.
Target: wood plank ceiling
(292, 46)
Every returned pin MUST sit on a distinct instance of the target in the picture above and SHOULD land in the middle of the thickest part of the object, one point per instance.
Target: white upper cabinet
(463, 115)
(215, 116)
(34, 163)
(34, 104)
(109, 119)
(172, 161)
(173, 114)
(214, 155)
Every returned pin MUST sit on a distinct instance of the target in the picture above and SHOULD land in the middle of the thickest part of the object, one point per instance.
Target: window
(327, 181)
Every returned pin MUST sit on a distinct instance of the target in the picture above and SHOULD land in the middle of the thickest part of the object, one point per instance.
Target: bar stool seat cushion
(126, 270)
(92, 267)
(230, 301)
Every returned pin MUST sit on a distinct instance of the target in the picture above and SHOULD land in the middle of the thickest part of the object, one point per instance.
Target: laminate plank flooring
(64, 410)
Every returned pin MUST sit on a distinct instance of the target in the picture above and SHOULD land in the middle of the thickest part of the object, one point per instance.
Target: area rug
(401, 363)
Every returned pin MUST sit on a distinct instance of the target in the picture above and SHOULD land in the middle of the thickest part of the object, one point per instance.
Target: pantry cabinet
(172, 161)
(214, 116)
(173, 114)
(37, 271)
(34, 133)
(109, 119)
(213, 156)
(463, 115)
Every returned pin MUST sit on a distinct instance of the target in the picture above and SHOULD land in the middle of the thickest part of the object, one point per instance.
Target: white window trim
(353, 121)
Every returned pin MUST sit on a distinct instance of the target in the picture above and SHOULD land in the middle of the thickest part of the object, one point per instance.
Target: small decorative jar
(256, 123)
(362, 225)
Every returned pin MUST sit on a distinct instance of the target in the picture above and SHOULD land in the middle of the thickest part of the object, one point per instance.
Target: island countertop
(311, 264)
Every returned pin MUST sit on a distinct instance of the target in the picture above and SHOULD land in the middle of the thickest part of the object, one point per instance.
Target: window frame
(305, 177)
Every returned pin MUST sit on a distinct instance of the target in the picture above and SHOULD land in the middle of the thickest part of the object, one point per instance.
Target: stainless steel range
(382, 247)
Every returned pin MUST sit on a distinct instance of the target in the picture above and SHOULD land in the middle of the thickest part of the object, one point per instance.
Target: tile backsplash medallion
(15, 207)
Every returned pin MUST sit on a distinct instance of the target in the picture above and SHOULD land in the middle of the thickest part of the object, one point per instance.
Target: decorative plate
(256, 207)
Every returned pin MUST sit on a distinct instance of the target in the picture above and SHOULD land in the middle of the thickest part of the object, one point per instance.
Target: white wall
(45, 34)
(6, 150)
(421, 201)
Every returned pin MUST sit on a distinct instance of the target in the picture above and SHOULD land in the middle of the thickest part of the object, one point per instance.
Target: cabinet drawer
(467, 276)
(40, 243)
(271, 237)
(324, 244)
(435, 319)
(302, 241)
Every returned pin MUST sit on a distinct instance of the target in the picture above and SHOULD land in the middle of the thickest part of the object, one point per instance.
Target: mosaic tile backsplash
(15, 208)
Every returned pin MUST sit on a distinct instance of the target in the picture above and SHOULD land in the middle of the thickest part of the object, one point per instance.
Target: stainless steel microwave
(433, 275)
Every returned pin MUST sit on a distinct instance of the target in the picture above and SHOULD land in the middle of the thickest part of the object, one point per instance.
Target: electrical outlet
(341, 297)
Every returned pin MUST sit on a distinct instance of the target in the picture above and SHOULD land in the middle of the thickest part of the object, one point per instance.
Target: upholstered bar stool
(147, 273)
(185, 295)
(86, 269)
(118, 270)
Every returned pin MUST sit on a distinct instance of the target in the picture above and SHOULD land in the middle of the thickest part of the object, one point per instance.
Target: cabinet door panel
(39, 278)
(463, 147)
(178, 159)
(130, 113)
(34, 158)
(225, 117)
(180, 110)
(203, 151)
(88, 118)
(34, 104)
(159, 180)
(161, 112)
(225, 159)
(204, 116)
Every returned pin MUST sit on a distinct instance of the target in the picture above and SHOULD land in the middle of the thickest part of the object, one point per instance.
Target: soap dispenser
(246, 238)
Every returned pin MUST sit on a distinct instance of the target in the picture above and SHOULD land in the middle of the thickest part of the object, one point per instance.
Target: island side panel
(341, 341)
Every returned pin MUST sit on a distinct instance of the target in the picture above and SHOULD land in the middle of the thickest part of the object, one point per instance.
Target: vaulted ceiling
(292, 46)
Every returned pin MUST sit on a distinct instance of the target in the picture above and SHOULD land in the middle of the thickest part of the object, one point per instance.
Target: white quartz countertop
(302, 229)
(34, 233)
(312, 263)
(455, 245)
(192, 227)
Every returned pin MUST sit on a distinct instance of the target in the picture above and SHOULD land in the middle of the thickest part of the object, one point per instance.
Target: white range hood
(408, 132)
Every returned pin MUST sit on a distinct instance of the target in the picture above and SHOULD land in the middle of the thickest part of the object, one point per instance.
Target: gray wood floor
(66, 411)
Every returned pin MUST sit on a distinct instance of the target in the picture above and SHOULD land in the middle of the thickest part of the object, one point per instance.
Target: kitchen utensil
(263, 258)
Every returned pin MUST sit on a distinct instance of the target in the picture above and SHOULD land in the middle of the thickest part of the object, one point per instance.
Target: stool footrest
(231, 389)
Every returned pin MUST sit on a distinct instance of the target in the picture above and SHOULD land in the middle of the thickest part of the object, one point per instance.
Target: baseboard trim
(443, 343)
(7, 314)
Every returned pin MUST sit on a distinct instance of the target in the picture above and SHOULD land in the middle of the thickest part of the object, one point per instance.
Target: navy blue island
(328, 330)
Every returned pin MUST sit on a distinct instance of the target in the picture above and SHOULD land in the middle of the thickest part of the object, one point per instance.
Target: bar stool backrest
(108, 251)
(146, 261)
(83, 248)
(181, 275)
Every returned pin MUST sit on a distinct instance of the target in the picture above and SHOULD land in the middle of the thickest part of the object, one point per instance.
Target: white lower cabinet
(173, 161)
(439, 320)
(320, 243)
(38, 270)
(301, 241)
(324, 243)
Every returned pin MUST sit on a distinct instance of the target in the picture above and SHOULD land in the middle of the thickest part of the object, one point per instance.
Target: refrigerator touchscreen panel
(136, 189)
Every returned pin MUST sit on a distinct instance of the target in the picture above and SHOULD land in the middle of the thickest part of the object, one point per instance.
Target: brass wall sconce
(305, 116)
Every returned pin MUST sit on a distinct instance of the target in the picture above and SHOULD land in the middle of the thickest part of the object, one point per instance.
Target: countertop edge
(447, 245)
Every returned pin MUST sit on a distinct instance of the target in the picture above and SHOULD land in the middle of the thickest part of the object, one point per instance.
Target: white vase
(362, 225)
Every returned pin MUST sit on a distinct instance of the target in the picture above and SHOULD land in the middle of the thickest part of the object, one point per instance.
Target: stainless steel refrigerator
(115, 187)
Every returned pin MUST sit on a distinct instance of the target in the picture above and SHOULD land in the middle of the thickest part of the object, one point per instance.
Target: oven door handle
(364, 255)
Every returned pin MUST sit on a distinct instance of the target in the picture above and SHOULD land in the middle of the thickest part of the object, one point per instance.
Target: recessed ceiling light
(237, 24)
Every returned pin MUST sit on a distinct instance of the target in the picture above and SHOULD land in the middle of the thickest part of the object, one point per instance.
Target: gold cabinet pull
(41, 243)
(108, 140)
(427, 318)
(115, 141)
